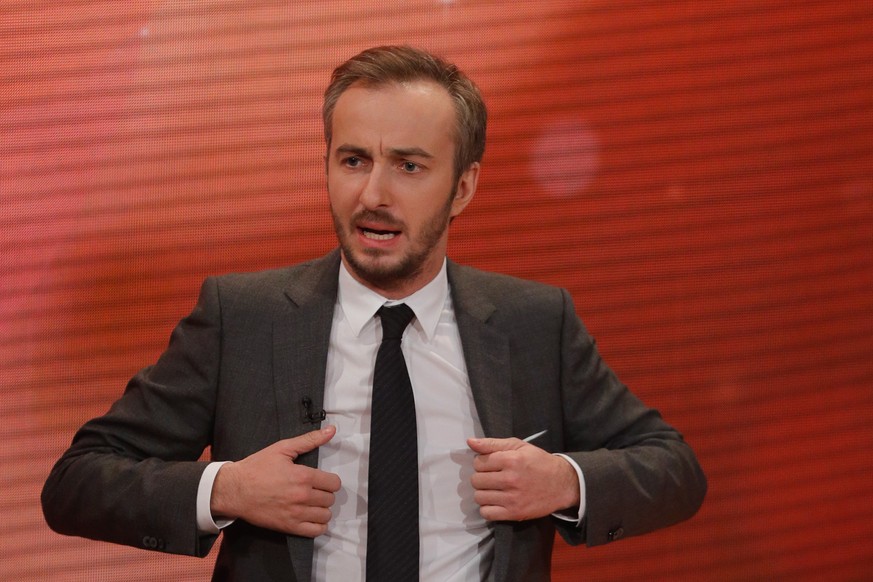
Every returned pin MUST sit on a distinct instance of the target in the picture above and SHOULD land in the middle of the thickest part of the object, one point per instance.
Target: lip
(376, 220)
(377, 243)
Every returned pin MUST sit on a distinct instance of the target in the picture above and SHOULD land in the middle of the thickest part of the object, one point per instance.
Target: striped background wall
(698, 174)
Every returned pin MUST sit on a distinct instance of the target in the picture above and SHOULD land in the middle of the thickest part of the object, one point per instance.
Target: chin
(382, 271)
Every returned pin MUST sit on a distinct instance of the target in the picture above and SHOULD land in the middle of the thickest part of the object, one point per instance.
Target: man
(493, 362)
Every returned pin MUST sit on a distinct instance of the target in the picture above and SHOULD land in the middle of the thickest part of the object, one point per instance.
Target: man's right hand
(269, 490)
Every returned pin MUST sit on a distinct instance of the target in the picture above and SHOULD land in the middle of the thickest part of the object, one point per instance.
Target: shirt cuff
(569, 515)
(205, 523)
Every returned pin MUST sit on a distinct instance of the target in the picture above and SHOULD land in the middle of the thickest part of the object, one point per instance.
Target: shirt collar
(360, 304)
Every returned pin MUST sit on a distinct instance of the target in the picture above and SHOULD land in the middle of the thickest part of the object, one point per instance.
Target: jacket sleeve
(639, 473)
(131, 475)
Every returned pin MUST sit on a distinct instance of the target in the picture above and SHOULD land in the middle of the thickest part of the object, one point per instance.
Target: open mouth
(376, 234)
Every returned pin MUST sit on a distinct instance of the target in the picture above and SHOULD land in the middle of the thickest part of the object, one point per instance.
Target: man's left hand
(515, 480)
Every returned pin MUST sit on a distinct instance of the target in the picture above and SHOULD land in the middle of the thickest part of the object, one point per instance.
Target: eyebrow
(410, 152)
(394, 152)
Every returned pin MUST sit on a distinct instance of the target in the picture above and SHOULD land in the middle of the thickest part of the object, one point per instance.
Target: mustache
(380, 216)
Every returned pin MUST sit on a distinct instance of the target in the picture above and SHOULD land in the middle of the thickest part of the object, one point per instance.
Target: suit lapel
(486, 352)
(301, 336)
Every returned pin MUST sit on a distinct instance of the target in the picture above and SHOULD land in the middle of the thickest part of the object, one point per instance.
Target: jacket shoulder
(501, 288)
(507, 300)
(303, 282)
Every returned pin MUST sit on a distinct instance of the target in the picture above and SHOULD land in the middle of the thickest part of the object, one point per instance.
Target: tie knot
(394, 320)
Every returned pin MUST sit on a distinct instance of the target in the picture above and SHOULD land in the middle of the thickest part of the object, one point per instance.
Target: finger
(325, 481)
(306, 442)
(307, 529)
(495, 513)
(287, 514)
(491, 499)
(497, 461)
(485, 446)
(487, 481)
(487, 463)
(497, 480)
(314, 515)
(321, 498)
(497, 506)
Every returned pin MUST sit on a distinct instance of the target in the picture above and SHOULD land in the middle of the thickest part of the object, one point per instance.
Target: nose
(376, 189)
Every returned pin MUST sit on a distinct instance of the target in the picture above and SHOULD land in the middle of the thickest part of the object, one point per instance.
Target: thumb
(306, 442)
(485, 446)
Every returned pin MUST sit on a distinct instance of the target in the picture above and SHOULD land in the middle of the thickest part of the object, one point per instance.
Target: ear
(466, 189)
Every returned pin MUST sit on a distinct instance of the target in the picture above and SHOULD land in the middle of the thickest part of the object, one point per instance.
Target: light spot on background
(565, 157)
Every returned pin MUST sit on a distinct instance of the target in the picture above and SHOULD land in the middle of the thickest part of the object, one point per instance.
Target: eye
(409, 167)
(352, 161)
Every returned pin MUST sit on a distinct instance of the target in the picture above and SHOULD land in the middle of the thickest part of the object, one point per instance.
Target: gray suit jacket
(237, 371)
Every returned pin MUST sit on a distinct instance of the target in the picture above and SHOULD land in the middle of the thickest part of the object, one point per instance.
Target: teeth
(376, 236)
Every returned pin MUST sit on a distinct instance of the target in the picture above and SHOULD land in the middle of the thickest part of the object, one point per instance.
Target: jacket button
(153, 543)
(616, 534)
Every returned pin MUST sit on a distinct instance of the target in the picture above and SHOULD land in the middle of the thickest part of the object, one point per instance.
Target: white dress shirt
(455, 539)
(456, 542)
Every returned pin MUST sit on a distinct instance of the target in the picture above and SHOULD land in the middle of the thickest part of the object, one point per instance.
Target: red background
(697, 174)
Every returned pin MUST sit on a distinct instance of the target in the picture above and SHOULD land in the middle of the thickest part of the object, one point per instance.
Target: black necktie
(392, 514)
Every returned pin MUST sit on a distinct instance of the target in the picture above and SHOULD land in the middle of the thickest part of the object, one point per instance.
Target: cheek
(426, 215)
(340, 193)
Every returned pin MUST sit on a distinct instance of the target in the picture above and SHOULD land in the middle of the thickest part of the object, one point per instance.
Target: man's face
(390, 178)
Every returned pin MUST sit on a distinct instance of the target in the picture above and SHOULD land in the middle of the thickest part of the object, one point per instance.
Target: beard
(373, 266)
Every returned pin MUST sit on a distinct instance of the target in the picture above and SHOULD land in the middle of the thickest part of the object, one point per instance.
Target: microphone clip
(310, 416)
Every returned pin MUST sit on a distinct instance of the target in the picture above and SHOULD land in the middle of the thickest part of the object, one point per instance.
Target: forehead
(415, 114)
